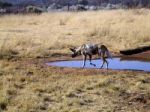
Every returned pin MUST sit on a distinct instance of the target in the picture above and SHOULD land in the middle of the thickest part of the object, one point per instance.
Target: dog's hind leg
(104, 61)
(107, 63)
(102, 64)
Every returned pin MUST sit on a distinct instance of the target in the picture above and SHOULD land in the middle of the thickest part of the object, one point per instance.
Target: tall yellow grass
(35, 35)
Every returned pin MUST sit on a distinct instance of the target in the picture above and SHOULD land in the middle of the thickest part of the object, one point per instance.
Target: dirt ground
(30, 85)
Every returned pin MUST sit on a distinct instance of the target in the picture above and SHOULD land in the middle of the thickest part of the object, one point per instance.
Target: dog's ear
(72, 49)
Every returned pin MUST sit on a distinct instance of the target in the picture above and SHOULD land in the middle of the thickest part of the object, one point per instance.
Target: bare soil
(71, 89)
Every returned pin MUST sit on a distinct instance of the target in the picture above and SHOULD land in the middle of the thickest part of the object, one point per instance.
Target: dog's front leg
(90, 57)
(84, 60)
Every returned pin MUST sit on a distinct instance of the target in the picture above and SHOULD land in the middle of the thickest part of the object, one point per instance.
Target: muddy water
(115, 63)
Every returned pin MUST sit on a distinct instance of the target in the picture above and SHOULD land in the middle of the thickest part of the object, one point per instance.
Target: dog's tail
(108, 54)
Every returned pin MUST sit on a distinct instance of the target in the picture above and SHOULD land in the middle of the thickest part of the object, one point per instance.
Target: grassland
(27, 85)
(42, 35)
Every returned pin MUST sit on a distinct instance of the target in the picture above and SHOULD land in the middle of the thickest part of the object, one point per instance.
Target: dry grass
(30, 88)
(42, 35)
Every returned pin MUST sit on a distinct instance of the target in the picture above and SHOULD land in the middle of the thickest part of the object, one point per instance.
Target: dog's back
(90, 49)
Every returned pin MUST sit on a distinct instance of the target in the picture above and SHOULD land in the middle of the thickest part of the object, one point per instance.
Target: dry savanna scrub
(48, 33)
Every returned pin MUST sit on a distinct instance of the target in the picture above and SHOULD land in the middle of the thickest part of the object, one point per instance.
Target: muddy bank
(144, 56)
(135, 51)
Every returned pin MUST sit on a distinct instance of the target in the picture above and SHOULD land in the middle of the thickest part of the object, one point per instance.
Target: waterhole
(115, 63)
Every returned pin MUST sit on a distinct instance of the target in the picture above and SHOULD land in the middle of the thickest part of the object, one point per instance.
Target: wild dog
(89, 50)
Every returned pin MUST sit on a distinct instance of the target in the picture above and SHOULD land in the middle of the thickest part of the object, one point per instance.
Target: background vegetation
(43, 35)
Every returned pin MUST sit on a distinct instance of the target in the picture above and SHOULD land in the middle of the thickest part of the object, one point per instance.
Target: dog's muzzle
(73, 55)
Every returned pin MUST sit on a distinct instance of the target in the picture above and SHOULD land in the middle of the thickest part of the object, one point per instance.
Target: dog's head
(75, 52)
